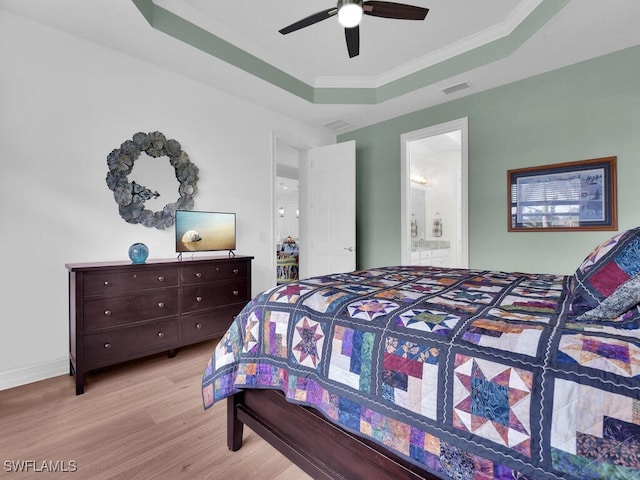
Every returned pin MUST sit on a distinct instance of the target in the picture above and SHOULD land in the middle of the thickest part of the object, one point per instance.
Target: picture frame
(571, 196)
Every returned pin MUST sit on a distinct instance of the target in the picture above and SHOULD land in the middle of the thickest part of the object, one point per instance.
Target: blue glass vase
(138, 253)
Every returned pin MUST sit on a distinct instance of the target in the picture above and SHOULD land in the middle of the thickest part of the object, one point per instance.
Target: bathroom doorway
(434, 196)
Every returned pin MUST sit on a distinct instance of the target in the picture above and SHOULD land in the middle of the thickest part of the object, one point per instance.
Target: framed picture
(563, 197)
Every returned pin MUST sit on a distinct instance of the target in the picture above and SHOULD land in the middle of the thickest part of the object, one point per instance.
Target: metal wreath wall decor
(131, 196)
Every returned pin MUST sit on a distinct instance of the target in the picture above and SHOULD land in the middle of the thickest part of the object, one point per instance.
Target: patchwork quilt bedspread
(470, 374)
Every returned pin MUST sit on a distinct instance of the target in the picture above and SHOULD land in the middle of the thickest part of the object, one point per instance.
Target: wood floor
(141, 420)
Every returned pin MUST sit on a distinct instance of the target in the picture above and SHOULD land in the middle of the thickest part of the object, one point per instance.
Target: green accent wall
(587, 110)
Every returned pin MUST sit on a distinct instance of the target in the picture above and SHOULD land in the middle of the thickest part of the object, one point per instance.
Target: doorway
(287, 211)
(324, 212)
(434, 204)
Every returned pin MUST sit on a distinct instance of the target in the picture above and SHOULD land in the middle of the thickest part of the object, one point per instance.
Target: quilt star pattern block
(428, 320)
(493, 401)
(308, 340)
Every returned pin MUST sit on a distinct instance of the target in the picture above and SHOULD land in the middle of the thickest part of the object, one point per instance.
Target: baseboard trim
(34, 373)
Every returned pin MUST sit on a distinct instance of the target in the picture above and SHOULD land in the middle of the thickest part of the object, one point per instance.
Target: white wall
(64, 105)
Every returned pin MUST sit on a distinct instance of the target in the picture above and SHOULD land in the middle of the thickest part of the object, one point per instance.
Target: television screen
(205, 231)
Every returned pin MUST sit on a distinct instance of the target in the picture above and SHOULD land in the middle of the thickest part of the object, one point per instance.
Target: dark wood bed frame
(317, 446)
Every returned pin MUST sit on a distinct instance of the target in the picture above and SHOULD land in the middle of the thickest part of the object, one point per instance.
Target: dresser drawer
(200, 297)
(122, 282)
(111, 347)
(124, 309)
(211, 273)
(200, 326)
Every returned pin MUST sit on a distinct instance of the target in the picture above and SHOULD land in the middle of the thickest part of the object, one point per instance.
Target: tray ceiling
(403, 65)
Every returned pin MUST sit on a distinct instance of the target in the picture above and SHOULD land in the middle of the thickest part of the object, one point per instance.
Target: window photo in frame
(563, 197)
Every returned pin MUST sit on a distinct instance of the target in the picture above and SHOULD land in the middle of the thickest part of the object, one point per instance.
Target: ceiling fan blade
(310, 20)
(399, 11)
(353, 40)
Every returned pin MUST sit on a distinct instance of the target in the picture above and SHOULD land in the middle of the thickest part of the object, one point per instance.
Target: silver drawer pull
(161, 334)
(198, 275)
(107, 346)
(107, 313)
(236, 292)
(160, 304)
(106, 283)
(198, 299)
(161, 278)
(198, 326)
(235, 270)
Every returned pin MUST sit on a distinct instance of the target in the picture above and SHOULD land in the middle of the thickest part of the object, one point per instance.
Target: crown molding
(486, 47)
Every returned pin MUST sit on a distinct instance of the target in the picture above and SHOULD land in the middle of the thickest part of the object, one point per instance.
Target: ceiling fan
(350, 12)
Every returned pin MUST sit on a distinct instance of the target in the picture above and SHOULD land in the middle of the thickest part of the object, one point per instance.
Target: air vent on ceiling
(338, 125)
(456, 88)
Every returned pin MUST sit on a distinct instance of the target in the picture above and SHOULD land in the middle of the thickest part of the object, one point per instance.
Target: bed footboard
(305, 437)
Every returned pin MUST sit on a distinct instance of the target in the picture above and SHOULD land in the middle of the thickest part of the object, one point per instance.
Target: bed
(424, 372)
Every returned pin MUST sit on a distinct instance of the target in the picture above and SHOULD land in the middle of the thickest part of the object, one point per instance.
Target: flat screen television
(205, 231)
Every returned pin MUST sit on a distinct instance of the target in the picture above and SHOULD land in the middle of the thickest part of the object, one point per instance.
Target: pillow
(610, 265)
(622, 300)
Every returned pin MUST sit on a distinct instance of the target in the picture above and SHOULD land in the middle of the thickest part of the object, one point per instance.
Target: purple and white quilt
(470, 374)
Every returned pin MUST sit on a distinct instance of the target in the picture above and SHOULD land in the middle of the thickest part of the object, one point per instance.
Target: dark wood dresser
(119, 311)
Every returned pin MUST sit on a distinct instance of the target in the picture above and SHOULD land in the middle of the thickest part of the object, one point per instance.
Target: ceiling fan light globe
(350, 14)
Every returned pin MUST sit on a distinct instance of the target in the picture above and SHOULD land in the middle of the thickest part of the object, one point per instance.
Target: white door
(328, 210)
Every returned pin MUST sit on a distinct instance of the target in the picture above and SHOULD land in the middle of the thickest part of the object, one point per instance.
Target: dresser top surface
(156, 262)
